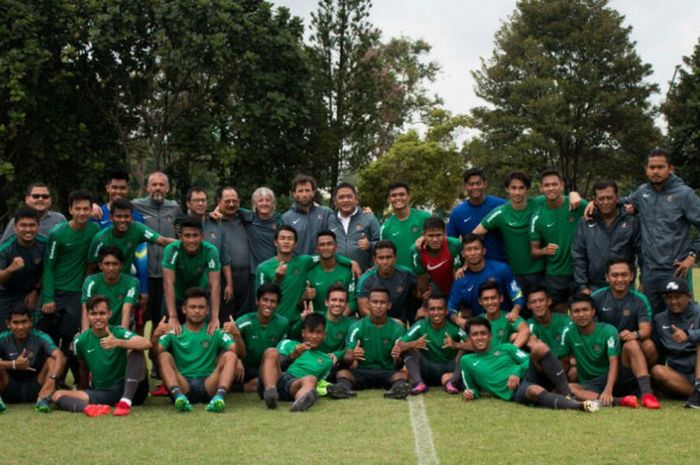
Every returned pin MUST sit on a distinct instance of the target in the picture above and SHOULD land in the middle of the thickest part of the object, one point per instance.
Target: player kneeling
(30, 364)
(114, 357)
(510, 374)
(196, 366)
(308, 365)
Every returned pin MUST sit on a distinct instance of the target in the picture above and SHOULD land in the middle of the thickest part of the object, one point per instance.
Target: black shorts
(529, 281)
(284, 387)
(367, 378)
(20, 391)
(250, 372)
(560, 288)
(684, 367)
(64, 322)
(198, 392)
(626, 383)
(110, 395)
(533, 377)
(432, 372)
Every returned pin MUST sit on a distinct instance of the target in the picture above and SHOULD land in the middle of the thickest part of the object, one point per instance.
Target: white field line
(422, 434)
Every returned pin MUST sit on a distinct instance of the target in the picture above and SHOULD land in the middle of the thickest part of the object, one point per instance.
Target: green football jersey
(435, 337)
(556, 226)
(592, 351)
(552, 333)
(322, 280)
(196, 353)
(127, 243)
(190, 270)
(376, 340)
(311, 363)
(108, 366)
(489, 371)
(66, 258)
(258, 338)
(501, 329)
(514, 226)
(125, 291)
(293, 285)
(336, 333)
(403, 233)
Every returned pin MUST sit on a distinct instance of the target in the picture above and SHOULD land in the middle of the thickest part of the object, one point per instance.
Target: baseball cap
(678, 285)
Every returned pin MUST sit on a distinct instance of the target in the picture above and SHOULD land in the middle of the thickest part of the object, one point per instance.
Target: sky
(462, 31)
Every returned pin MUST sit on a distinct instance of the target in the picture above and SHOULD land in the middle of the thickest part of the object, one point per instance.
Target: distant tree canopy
(682, 111)
(566, 90)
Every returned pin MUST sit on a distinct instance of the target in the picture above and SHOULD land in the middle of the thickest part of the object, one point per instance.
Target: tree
(682, 111)
(566, 90)
(432, 165)
(367, 90)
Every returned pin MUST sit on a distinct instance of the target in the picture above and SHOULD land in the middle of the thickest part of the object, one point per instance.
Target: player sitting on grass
(114, 357)
(429, 348)
(305, 366)
(30, 364)
(596, 347)
(261, 331)
(370, 344)
(196, 366)
(677, 337)
(503, 330)
(510, 374)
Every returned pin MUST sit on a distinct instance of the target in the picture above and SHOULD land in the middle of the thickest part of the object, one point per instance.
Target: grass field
(368, 429)
(365, 430)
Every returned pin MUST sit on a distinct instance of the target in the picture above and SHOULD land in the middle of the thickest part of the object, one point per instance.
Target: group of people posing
(547, 300)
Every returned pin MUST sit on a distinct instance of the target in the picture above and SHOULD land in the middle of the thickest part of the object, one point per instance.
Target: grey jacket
(665, 218)
(307, 225)
(160, 218)
(680, 355)
(595, 243)
(360, 224)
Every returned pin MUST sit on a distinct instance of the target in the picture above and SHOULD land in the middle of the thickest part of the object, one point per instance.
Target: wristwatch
(693, 254)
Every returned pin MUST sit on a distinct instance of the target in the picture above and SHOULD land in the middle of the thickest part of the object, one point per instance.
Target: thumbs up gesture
(309, 292)
(163, 327)
(281, 271)
(678, 335)
(363, 242)
(231, 327)
(109, 341)
(22, 362)
(358, 353)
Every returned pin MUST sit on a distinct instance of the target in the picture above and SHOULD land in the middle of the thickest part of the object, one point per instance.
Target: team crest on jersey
(623, 225)
(120, 296)
(385, 341)
(319, 360)
(205, 344)
(212, 234)
(571, 219)
(358, 227)
(319, 217)
(414, 229)
(129, 244)
(339, 335)
(399, 289)
(670, 198)
(597, 347)
(199, 270)
(501, 333)
(497, 353)
(296, 271)
(37, 260)
(626, 312)
(273, 339)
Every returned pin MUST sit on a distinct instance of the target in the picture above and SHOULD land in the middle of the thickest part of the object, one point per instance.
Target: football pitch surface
(367, 429)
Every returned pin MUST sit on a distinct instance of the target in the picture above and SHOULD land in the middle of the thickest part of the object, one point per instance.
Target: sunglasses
(41, 196)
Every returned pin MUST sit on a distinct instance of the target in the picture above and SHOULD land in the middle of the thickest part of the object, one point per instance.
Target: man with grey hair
(261, 224)
(159, 214)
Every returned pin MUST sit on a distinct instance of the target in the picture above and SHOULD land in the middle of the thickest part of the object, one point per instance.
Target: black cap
(678, 285)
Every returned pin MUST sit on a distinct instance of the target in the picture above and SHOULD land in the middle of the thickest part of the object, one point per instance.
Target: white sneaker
(591, 406)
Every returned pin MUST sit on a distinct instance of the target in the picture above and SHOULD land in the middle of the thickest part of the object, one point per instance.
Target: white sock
(126, 401)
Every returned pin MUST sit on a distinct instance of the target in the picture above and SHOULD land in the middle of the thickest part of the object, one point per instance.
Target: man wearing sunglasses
(38, 198)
